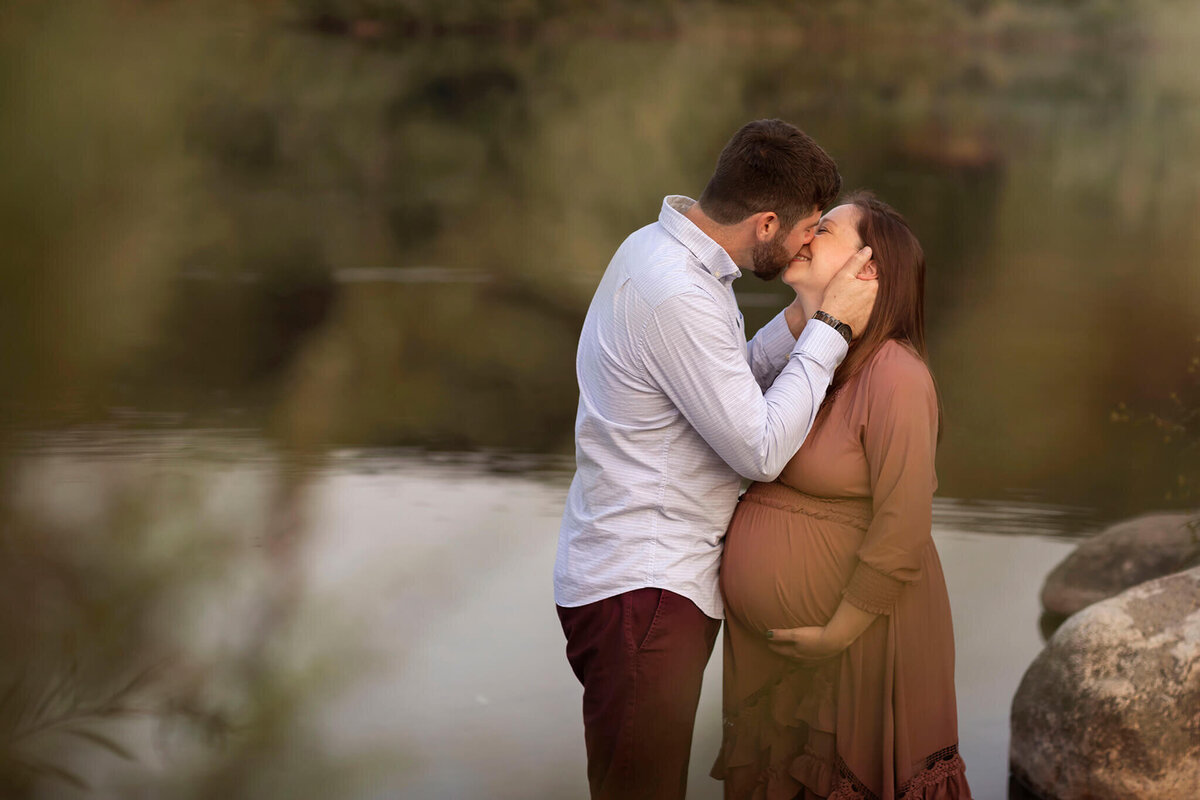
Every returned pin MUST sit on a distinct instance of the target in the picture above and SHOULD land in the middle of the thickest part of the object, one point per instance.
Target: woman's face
(835, 240)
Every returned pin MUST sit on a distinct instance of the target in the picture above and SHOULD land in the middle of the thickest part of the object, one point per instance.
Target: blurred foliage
(149, 609)
(212, 218)
(343, 243)
(390, 18)
(93, 598)
(1175, 426)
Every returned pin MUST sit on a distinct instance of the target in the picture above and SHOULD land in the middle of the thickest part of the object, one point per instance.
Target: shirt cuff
(821, 342)
(871, 590)
(776, 340)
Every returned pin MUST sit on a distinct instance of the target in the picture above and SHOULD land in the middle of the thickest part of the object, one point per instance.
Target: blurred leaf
(45, 769)
(103, 741)
(12, 697)
(139, 681)
(57, 687)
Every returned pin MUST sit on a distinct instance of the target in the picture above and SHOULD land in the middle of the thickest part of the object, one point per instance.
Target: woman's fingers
(799, 635)
(789, 650)
(849, 298)
(799, 644)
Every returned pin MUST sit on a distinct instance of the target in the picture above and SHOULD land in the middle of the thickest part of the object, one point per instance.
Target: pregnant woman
(839, 649)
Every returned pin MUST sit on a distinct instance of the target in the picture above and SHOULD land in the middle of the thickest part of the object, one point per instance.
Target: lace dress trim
(940, 768)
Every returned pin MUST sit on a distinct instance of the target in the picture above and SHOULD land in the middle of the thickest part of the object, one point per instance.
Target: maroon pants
(640, 657)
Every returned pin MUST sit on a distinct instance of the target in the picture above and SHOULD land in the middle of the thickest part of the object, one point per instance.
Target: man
(674, 406)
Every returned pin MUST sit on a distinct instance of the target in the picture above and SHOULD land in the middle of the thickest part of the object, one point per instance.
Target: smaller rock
(1125, 555)
(1111, 708)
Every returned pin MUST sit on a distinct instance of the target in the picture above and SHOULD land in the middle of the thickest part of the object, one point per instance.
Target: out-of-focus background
(289, 299)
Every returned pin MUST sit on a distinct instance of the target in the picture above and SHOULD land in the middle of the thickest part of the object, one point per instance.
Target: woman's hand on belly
(802, 644)
(817, 643)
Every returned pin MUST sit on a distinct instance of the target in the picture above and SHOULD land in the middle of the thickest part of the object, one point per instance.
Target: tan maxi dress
(850, 515)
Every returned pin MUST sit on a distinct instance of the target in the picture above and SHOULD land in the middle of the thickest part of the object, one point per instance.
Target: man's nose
(808, 237)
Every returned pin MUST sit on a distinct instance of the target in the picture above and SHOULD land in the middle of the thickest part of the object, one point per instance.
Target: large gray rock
(1111, 707)
(1125, 555)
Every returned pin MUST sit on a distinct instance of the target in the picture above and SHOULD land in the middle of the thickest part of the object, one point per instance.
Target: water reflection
(379, 623)
(1015, 516)
(155, 623)
(347, 245)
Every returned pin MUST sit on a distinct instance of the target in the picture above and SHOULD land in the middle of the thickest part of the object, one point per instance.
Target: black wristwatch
(836, 324)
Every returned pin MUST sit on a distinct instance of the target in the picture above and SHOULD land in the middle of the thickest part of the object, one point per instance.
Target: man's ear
(868, 272)
(766, 225)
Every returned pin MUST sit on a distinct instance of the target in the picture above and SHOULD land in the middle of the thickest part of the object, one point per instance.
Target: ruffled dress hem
(786, 731)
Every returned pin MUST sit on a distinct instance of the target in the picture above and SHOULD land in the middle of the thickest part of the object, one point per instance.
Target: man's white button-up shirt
(673, 407)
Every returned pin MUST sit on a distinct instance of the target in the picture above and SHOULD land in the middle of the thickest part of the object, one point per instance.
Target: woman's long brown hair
(899, 311)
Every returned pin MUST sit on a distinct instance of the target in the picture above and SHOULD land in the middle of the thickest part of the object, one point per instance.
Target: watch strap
(836, 324)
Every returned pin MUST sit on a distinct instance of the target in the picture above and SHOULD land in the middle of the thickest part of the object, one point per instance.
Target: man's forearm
(847, 624)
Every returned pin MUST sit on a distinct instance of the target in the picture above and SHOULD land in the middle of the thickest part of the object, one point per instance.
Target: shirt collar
(710, 254)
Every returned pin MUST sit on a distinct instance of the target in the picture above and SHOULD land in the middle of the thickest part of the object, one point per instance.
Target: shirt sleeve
(900, 439)
(699, 362)
(770, 349)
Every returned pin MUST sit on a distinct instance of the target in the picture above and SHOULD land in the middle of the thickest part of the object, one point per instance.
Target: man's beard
(770, 258)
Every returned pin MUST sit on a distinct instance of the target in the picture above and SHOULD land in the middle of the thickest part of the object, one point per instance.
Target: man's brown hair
(770, 165)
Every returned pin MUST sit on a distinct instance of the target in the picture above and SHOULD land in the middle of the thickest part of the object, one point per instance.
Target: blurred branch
(1176, 427)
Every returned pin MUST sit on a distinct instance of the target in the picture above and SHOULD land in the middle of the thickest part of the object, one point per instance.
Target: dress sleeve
(900, 438)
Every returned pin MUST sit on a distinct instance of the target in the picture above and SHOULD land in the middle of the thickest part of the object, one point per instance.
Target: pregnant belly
(785, 568)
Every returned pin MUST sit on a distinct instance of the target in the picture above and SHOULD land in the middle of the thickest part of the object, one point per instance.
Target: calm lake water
(421, 656)
(288, 334)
